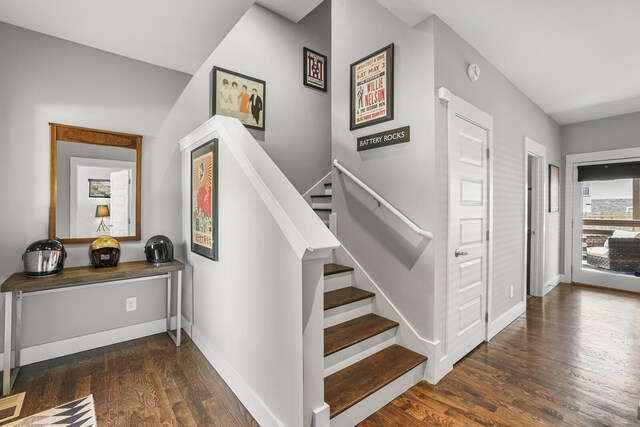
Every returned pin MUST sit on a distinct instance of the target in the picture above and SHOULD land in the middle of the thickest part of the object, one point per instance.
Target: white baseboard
(256, 407)
(552, 284)
(504, 320)
(40, 352)
(187, 326)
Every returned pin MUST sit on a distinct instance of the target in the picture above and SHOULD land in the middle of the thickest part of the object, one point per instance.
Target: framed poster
(239, 96)
(100, 188)
(554, 188)
(315, 70)
(372, 89)
(204, 200)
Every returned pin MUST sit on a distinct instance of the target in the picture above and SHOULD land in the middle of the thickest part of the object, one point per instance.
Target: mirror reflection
(95, 184)
(96, 189)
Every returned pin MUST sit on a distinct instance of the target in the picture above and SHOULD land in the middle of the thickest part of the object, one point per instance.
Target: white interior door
(467, 256)
(120, 193)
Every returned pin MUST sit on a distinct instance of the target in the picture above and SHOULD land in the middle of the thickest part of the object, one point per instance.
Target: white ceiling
(576, 59)
(175, 34)
(170, 33)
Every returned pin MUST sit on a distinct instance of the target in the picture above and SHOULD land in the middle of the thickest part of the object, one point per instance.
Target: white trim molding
(505, 319)
(572, 162)
(552, 283)
(256, 406)
(538, 218)
(51, 350)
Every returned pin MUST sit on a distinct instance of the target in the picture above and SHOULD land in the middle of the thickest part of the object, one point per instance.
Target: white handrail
(383, 202)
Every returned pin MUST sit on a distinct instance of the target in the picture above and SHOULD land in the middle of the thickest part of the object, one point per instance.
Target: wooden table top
(78, 276)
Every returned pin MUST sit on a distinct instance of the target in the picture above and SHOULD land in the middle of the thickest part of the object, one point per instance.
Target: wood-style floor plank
(144, 382)
(572, 360)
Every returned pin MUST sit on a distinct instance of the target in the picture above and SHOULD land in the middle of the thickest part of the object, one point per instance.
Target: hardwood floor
(572, 360)
(145, 382)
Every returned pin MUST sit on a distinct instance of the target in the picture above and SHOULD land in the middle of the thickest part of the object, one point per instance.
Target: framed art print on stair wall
(239, 96)
(372, 89)
(204, 200)
(315, 70)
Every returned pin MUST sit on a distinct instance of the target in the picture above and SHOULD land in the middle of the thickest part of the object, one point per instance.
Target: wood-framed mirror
(95, 184)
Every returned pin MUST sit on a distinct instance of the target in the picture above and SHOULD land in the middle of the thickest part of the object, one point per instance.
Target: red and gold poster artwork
(203, 201)
(371, 89)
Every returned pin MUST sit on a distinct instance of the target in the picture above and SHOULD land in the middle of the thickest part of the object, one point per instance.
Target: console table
(74, 278)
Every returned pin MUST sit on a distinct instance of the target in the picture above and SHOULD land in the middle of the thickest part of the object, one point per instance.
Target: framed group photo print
(239, 96)
(372, 89)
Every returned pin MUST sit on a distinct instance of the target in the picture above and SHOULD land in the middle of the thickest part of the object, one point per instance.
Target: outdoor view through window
(610, 225)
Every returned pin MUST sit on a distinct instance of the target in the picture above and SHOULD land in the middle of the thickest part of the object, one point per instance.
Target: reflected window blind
(609, 171)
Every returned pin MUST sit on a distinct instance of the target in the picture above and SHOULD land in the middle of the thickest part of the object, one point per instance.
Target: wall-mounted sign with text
(382, 139)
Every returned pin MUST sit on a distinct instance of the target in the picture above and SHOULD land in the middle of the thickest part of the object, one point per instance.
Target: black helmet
(44, 257)
(159, 249)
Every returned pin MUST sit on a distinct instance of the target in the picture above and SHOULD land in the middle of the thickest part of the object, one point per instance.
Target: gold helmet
(104, 252)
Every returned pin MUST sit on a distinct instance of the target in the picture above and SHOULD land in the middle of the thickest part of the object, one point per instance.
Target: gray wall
(42, 80)
(515, 116)
(611, 133)
(266, 46)
(398, 260)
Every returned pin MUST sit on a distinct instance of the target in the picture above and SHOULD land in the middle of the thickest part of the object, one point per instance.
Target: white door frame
(538, 217)
(571, 188)
(453, 101)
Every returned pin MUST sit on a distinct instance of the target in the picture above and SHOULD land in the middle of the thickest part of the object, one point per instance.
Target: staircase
(321, 203)
(364, 366)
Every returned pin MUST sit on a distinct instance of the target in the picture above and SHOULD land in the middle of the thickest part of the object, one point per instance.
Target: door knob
(459, 252)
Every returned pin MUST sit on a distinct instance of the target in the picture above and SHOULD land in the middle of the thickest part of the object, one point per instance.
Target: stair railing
(381, 201)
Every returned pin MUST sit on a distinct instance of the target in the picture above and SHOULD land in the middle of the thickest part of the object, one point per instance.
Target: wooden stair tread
(354, 383)
(322, 209)
(327, 184)
(346, 334)
(332, 268)
(339, 297)
(315, 196)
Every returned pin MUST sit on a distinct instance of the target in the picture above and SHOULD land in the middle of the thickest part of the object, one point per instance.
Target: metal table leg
(8, 317)
(175, 337)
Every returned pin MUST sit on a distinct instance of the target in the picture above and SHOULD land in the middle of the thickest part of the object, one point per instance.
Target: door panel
(468, 219)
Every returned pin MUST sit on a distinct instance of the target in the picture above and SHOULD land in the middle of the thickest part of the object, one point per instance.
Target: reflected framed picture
(315, 70)
(100, 188)
(239, 96)
(554, 188)
(204, 200)
(372, 89)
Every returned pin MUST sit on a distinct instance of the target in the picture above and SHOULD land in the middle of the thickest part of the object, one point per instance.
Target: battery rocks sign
(382, 139)
(372, 89)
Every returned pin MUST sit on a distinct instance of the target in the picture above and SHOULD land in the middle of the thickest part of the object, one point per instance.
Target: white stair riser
(338, 281)
(347, 312)
(321, 205)
(355, 353)
(321, 198)
(324, 215)
(327, 192)
(377, 400)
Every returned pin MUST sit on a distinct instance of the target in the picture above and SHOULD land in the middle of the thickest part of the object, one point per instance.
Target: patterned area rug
(79, 413)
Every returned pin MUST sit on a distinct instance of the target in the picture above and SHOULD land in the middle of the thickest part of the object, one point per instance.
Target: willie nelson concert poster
(372, 89)
(204, 200)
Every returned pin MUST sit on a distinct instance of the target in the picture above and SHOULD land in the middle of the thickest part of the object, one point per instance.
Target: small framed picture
(204, 200)
(100, 188)
(315, 70)
(372, 89)
(554, 188)
(239, 96)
